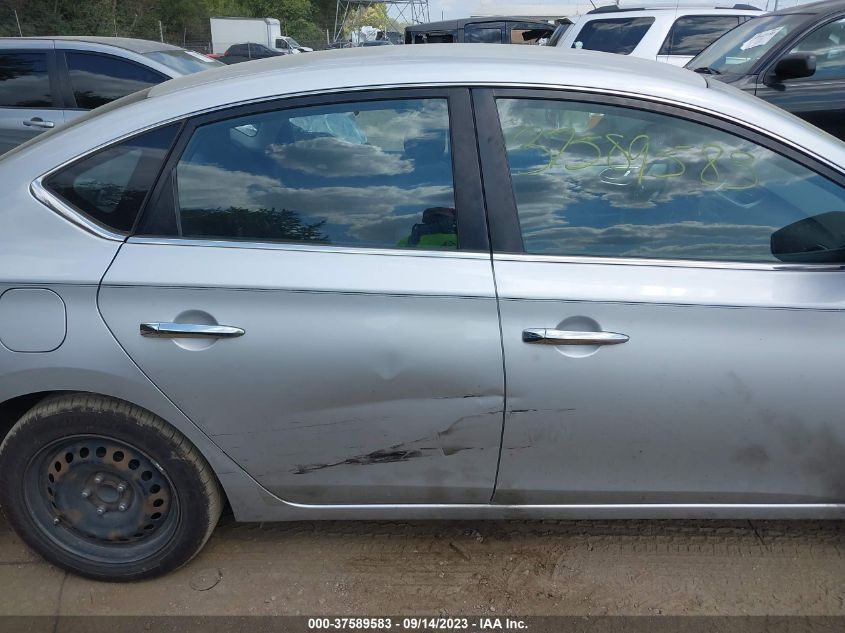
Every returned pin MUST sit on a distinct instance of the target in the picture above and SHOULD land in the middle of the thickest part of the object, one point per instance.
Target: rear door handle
(189, 330)
(39, 122)
(569, 337)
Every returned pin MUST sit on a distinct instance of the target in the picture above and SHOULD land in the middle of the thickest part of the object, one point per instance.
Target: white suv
(674, 35)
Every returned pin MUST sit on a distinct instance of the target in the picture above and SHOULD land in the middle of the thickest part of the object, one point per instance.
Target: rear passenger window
(370, 174)
(24, 80)
(110, 186)
(614, 35)
(98, 79)
(609, 181)
(691, 34)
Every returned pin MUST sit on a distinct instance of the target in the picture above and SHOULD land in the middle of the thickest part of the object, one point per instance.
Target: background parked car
(47, 81)
(238, 53)
(793, 58)
(673, 35)
(489, 30)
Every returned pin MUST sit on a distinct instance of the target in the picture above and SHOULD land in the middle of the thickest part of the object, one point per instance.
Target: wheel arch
(13, 409)
(246, 498)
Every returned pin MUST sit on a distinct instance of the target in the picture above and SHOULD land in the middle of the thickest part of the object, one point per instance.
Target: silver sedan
(417, 282)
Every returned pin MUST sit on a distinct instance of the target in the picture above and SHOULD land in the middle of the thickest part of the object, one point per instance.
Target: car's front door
(341, 246)
(30, 100)
(819, 98)
(656, 351)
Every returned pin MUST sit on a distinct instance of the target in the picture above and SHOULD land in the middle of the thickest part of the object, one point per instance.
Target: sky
(450, 8)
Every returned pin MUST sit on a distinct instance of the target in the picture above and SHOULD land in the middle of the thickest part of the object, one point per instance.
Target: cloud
(334, 158)
(376, 215)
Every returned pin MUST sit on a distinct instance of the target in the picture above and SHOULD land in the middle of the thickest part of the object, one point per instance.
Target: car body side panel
(361, 378)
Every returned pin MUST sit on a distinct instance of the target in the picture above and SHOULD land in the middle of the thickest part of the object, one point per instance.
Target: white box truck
(267, 31)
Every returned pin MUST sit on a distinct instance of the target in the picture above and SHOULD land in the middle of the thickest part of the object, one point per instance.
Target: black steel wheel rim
(101, 499)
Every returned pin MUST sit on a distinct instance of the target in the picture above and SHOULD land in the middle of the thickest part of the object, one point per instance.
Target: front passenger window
(370, 174)
(610, 181)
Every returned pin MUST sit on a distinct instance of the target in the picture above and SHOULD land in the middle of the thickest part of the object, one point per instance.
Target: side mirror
(795, 66)
(816, 240)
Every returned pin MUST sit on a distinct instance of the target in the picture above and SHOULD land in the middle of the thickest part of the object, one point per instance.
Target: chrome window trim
(304, 247)
(665, 263)
(54, 203)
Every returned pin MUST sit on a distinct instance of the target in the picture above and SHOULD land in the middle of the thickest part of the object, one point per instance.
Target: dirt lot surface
(522, 568)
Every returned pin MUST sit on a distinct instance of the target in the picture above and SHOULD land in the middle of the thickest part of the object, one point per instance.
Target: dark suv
(793, 58)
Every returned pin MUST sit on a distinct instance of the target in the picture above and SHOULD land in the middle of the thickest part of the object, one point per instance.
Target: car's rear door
(312, 287)
(656, 352)
(30, 98)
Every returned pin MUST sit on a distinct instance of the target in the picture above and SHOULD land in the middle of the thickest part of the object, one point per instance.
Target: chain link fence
(193, 33)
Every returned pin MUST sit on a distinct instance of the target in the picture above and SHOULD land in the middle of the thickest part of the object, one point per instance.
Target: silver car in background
(521, 285)
(46, 81)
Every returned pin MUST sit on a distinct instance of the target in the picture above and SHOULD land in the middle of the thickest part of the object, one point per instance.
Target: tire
(105, 489)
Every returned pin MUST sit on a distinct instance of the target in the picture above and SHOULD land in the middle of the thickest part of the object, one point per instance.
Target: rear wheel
(105, 489)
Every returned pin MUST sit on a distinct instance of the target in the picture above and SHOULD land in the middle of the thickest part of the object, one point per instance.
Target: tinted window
(437, 37)
(827, 43)
(693, 33)
(98, 79)
(614, 35)
(376, 174)
(259, 50)
(487, 35)
(24, 80)
(596, 180)
(111, 185)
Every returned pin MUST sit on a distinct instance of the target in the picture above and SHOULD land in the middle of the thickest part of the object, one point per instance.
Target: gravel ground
(467, 568)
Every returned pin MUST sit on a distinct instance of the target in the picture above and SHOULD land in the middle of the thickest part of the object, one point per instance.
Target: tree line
(182, 22)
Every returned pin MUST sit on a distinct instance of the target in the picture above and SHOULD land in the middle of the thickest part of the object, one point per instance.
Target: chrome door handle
(569, 337)
(189, 330)
(39, 122)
